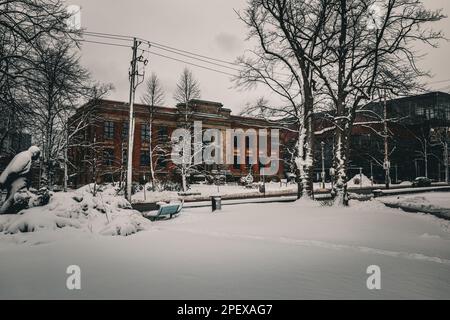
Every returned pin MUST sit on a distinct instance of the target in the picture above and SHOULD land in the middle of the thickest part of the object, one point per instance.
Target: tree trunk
(152, 171)
(183, 178)
(66, 160)
(341, 162)
(305, 158)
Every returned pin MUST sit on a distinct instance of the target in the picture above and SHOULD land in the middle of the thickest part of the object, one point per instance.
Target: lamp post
(360, 177)
(332, 173)
(371, 173)
(322, 144)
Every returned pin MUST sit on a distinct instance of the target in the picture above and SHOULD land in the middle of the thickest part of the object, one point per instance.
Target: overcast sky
(207, 27)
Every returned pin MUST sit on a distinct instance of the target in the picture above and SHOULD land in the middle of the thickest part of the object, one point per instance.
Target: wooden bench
(164, 211)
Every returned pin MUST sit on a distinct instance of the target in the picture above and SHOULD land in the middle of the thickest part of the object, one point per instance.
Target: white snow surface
(206, 190)
(429, 202)
(106, 214)
(363, 181)
(298, 250)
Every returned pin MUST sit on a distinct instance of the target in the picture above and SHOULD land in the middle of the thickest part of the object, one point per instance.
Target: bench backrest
(168, 209)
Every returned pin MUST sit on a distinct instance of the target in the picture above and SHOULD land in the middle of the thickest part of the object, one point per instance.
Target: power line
(188, 52)
(188, 56)
(185, 53)
(173, 50)
(107, 37)
(190, 63)
(440, 81)
(106, 43)
(126, 37)
(160, 55)
(109, 34)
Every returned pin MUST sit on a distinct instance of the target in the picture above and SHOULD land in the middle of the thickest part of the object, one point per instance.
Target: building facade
(417, 137)
(104, 160)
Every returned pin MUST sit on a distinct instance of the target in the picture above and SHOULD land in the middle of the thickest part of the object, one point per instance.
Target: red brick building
(107, 135)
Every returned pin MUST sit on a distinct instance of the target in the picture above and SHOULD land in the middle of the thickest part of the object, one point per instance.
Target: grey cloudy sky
(207, 27)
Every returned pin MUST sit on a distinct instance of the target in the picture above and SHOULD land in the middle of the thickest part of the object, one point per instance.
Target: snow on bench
(164, 211)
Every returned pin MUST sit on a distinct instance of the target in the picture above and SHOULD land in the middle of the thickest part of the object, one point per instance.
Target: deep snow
(207, 190)
(270, 251)
(106, 213)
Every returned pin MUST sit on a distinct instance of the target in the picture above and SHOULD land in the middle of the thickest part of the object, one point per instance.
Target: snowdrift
(355, 181)
(105, 214)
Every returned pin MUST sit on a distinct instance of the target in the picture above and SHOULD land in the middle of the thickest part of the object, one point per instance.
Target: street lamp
(322, 144)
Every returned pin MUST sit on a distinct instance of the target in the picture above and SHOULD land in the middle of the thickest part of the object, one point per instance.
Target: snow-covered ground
(105, 213)
(430, 202)
(206, 190)
(269, 251)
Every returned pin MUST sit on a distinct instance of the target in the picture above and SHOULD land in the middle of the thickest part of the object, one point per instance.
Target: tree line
(333, 57)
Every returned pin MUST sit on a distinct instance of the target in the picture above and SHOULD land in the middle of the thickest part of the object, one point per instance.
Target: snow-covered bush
(106, 214)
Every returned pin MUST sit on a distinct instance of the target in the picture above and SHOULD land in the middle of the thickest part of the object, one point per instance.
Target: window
(161, 162)
(162, 133)
(431, 114)
(145, 132)
(125, 129)
(124, 156)
(108, 131)
(236, 164)
(420, 111)
(108, 157)
(145, 158)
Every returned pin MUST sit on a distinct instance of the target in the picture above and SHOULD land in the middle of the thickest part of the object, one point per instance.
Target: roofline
(232, 117)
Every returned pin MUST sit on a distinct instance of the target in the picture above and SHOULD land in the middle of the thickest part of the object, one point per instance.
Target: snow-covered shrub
(36, 220)
(106, 214)
(25, 199)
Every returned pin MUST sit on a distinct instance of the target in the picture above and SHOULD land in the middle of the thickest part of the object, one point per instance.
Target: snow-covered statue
(17, 176)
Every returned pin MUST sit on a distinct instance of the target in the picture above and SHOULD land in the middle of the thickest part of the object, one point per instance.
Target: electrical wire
(160, 55)
(189, 63)
(106, 43)
(173, 50)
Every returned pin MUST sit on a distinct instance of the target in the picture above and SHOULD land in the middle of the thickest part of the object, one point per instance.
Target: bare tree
(74, 124)
(368, 51)
(24, 24)
(187, 89)
(153, 97)
(53, 90)
(440, 138)
(288, 37)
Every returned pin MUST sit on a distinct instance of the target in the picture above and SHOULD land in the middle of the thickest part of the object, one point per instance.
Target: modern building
(417, 135)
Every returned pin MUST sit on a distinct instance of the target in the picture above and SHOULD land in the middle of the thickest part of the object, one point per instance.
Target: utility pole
(417, 168)
(446, 155)
(425, 156)
(396, 173)
(131, 121)
(386, 145)
(134, 74)
(371, 173)
(322, 144)
(360, 177)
